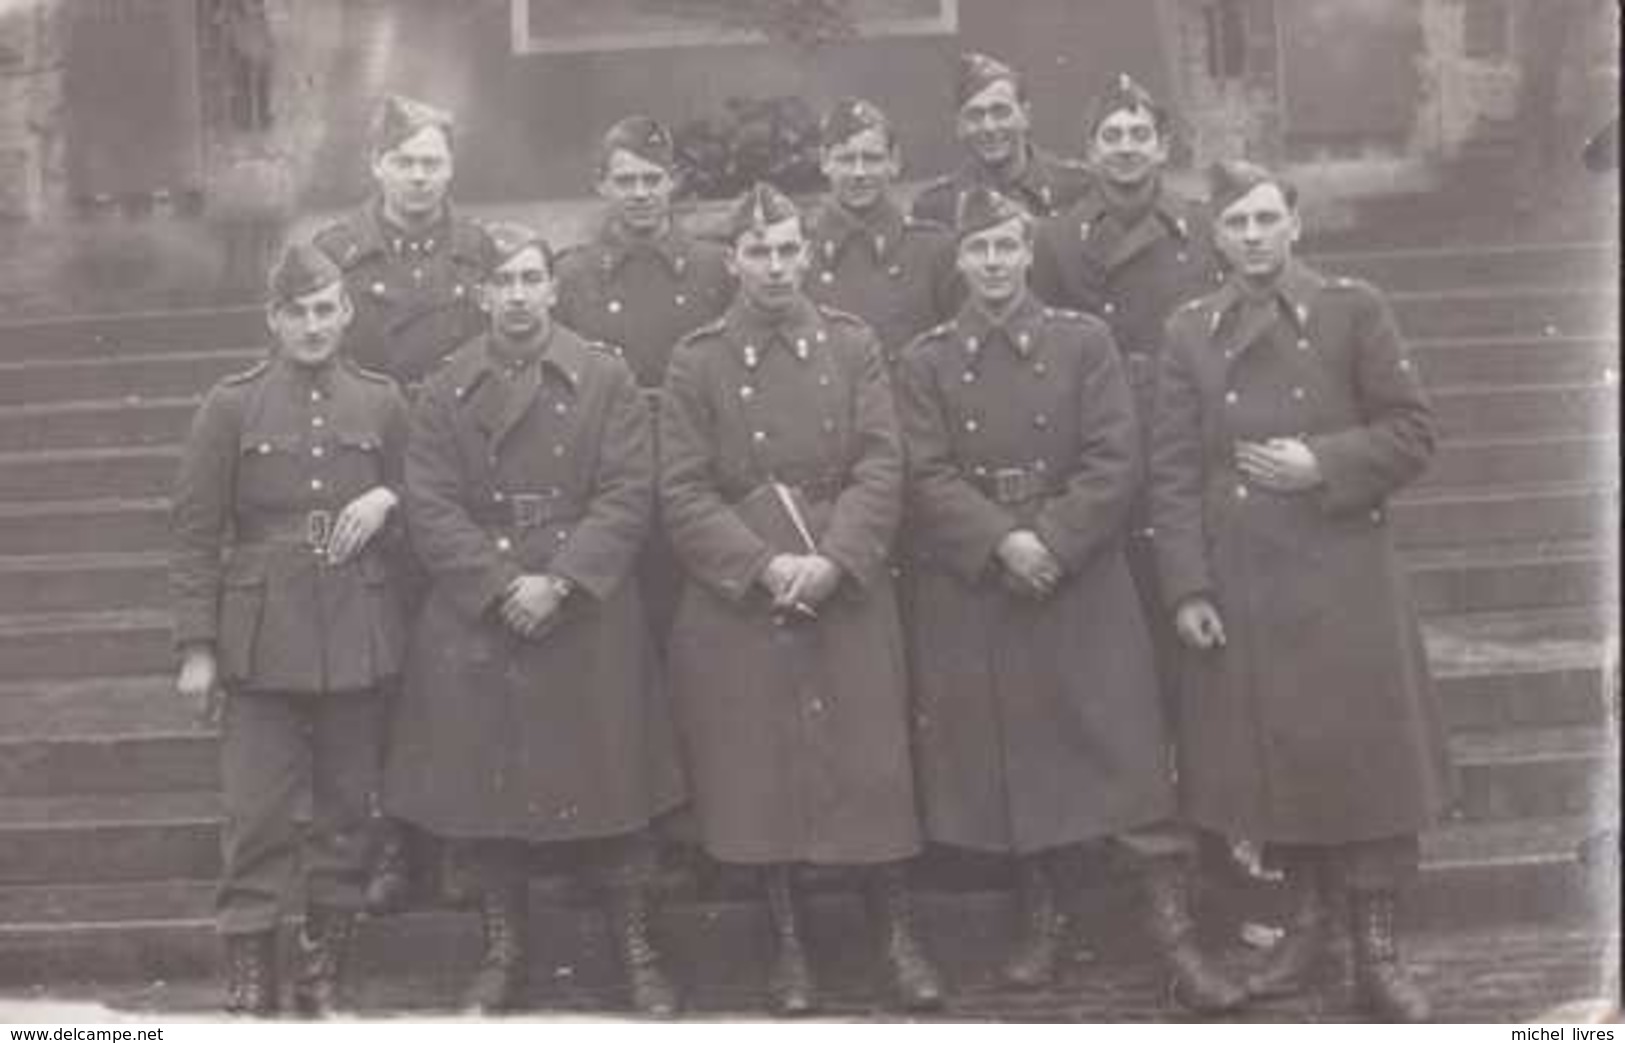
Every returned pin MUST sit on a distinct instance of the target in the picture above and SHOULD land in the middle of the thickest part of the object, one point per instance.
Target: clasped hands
(800, 582)
(531, 603)
(1030, 568)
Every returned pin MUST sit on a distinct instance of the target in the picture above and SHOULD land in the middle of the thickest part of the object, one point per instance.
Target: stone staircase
(107, 790)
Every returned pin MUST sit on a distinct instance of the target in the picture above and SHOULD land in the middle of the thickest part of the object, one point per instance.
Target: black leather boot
(651, 990)
(1196, 983)
(790, 983)
(1302, 950)
(1032, 964)
(251, 974)
(499, 984)
(389, 888)
(914, 977)
(321, 961)
(1382, 984)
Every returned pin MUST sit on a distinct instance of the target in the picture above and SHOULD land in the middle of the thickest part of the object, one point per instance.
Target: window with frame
(1225, 27)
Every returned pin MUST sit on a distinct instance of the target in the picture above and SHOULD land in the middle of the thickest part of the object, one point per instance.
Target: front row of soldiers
(1123, 546)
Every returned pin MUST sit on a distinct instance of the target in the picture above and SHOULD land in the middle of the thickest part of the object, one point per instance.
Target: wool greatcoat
(538, 467)
(1036, 722)
(1315, 722)
(796, 734)
(1046, 185)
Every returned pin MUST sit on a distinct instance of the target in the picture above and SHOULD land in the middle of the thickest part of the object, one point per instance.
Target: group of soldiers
(1049, 512)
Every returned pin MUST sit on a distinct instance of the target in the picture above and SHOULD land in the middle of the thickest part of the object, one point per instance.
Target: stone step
(83, 581)
(1453, 266)
(95, 708)
(96, 423)
(1549, 311)
(1537, 773)
(118, 376)
(109, 837)
(1440, 517)
(69, 645)
(133, 333)
(1522, 460)
(65, 526)
(67, 474)
(1519, 576)
(1517, 360)
(1531, 409)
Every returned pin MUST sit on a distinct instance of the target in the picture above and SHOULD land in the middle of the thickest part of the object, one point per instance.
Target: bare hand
(1199, 625)
(779, 575)
(816, 578)
(1281, 464)
(199, 684)
(1030, 562)
(530, 603)
(358, 523)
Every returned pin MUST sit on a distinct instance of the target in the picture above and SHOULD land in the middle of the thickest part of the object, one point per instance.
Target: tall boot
(1384, 986)
(1197, 984)
(1302, 950)
(651, 990)
(1032, 964)
(499, 984)
(390, 886)
(251, 974)
(790, 983)
(324, 954)
(914, 977)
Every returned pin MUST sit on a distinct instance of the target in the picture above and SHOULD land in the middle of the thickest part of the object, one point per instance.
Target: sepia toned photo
(855, 510)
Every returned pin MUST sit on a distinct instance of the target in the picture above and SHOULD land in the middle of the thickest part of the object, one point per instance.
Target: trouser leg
(346, 775)
(264, 767)
(790, 982)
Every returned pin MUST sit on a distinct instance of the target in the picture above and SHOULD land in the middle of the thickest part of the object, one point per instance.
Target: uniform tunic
(415, 295)
(894, 272)
(1037, 722)
(796, 735)
(1315, 722)
(1046, 185)
(542, 466)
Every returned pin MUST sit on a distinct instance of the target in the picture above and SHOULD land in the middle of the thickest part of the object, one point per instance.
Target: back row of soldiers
(658, 527)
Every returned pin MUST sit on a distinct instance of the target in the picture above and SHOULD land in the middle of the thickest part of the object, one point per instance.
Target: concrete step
(119, 376)
(67, 474)
(109, 837)
(1518, 576)
(1547, 310)
(88, 581)
(1454, 266)
(1441, 517)
(1517, 360)
(94, 707)
(1534, 773)
(133, 333)
(68, 645)
(96, 423)
(1531, 409)
(66, 526)
(1522, 460)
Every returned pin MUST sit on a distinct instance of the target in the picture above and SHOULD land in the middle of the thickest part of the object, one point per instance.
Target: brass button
(1041, 421)
(971, 425)
(317, 451)
(758, 436)
(317, 421)
(1241, 492)
(504, 544)
(1231, 398)
(614, 307)
(316, 484)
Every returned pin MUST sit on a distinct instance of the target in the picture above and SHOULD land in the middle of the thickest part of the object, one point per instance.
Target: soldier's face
(1256, 232)
(310, 328)
(413, 176)
(1127, 148)
(638, 191)
(861, 168)
(518, 294)
(769, 263)
(995, 260)
(994, 123)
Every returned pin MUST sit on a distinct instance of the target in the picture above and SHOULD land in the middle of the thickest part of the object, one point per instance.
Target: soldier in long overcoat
(531, 710)
(1288, 415)
(285, 599)
(993, 121)
(411, 265)
(642, 283)
(781, 485)
(1036, 720)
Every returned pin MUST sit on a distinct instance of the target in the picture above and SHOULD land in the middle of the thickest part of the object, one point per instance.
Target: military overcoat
(1037, 722)
(1046, 185)
(514, 468)
(1315, 723)
(273, 457)
(796, 735)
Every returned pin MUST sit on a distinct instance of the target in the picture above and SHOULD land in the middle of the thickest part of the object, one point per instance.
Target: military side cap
(1230, 179)
(850, 117)
(399, 117)
(303, 268)
(504, 240)
(759, 208)
(981, 208)
(1124, 95)
(643, 136)
(977, 72)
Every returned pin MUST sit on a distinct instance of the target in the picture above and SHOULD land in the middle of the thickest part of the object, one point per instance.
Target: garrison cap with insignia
(504, 239)
(977, 72)
(981, 208)
(643, 136)
(762, 206)
(399, 117)
(1230, 179)
(302, 269)
(850, 117)
(1124, 95)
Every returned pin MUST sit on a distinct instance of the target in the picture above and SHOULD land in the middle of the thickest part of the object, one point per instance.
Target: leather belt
(521, 511)
(1012, 485)
(312, 528)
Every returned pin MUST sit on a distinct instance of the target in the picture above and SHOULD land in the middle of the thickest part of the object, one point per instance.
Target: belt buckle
(1010, 484)
(318, 529)
(527, 510)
